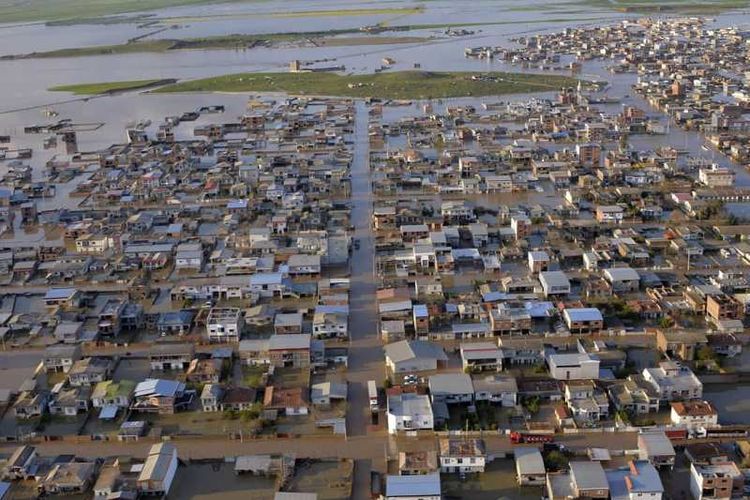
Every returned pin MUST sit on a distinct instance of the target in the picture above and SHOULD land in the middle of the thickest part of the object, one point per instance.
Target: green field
(391, 11)
(109, 87)
(12, 11)
(674, 6)
(223, 42)
(395, 85)
(72, 11)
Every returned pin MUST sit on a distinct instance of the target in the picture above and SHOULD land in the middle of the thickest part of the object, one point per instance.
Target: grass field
(223, 42)
(109, 87)
(675, 6)
(394, 85)
(392, 11)
(12, 11)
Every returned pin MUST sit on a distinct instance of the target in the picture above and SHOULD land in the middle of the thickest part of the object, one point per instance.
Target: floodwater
(25, 82)
(731, 401)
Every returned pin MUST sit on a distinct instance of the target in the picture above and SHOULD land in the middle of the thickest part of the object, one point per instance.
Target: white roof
(621, 274)
(415, 486)
(554, 278)
(583, 314)
(529, 460)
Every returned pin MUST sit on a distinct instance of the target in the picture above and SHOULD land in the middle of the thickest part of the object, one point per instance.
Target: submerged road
(365, 349)
(367, 448)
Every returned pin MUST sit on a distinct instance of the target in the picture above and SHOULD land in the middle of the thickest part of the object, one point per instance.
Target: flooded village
(533, 286)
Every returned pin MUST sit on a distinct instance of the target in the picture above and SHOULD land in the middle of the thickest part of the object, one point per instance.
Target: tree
(666, 322)
(705, 353)
(556, 460)
(624, 416)
(532, 404)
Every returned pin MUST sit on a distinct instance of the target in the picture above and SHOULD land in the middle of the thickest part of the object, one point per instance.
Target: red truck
(528, 437)
(676, 434)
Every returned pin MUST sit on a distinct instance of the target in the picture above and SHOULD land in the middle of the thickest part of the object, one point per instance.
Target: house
(171, 356)
(204, 370)
(638, 481)
(268, 285)
(693, 415)
(583, 320)
(609, 214)
(656, 447)
(289, 350)
(175, 322)
(530, 470)
(411, 463)
(68, 478)
(480, 356)
(573, 366)
(716, 481)
(289, 402)
(462, 455)
(413, 487)
(538, 261)
(622, 279)
(287, 323)
(324, 393)
(159, 470)
(673, 381)
(725, 344)
(89, 371)
(683, 344)
(709, 453)
(634, 395)
(414, 356)
(584, 480)
(225, 324)
(111, 317)
(554, 283)
(114, 482)
(304, 265)
(510, 319)
(237, 399)
(409, 412)
(211, 397)
(586, 401)
(20, 463)
(111, 393)
(61, 297)
(161, 396)
(189, 256)
(332, 324)
(522, 351)
(451, 388)
(421, 319)
(68, 332)
(497, 389)
(721, 307)
(69, 401)
(60, 358)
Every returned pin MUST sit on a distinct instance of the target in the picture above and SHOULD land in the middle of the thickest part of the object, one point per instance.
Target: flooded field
(219, 482)
(497, 483)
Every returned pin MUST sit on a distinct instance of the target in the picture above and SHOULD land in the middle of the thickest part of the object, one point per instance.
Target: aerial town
(523, 273)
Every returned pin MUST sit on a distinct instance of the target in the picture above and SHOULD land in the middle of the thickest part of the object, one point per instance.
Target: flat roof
(413, 486)
(529, 460)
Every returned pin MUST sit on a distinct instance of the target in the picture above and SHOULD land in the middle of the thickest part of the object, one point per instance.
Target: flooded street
(178, 223)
